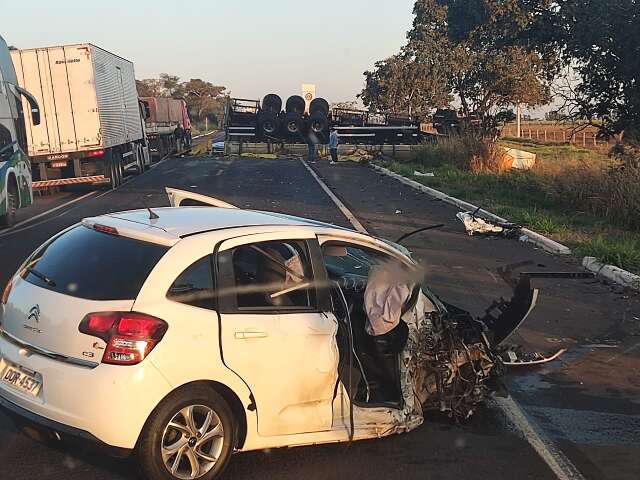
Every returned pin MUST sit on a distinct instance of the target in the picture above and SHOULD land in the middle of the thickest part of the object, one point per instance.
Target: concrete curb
(535, 238)
(611, 273)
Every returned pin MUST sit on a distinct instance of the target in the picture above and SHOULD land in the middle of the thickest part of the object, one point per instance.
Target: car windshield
(112, 267)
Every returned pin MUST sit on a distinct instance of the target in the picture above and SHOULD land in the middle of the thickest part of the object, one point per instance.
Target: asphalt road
(586, 404)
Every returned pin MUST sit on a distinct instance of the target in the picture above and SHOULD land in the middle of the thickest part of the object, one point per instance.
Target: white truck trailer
(92, 127)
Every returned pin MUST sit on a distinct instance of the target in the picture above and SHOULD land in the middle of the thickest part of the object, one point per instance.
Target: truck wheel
(113, 172)
(13, 201)
(189, 435)
(272, 103)
(319, 105)
(293, 125)
(295, 104)
(268, 124)
(120, 167)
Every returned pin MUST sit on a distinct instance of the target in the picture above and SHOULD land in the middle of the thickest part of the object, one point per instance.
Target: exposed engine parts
(454, 364)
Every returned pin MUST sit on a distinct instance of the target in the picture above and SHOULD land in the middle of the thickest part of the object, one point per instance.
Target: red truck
(167, 123)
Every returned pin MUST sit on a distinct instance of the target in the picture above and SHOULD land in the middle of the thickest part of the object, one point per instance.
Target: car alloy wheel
(192, 442)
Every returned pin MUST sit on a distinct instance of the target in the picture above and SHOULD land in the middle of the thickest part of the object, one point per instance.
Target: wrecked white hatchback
(201, 330)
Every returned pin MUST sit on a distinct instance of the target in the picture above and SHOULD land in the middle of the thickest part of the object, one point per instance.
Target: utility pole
(518, 118)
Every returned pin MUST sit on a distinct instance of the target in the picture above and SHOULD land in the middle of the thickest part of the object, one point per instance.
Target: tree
(600, 39)
(171, 86)
(149, 87)
(204, 99)
(482, 52)
(400, 84)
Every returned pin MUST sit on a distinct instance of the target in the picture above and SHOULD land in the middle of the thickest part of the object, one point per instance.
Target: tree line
(488, 55)
(204, 99)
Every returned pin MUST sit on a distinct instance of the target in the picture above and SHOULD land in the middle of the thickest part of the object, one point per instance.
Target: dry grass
(582, 198)
(467, 153)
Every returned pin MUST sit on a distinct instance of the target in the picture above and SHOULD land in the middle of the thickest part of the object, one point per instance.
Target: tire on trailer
(13, 202)
(168, 424)
(120, 166)
(296, 104)
(293, 126)
(319, 125)
(272, 103)
(111, 169)
(319, 105)
(268, 124)
(138, 152)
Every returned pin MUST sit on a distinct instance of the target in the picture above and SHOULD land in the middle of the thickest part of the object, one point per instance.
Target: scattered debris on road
(474, 224)
(517, 356)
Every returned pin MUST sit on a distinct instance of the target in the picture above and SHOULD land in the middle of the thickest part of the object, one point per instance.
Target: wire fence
(585, 138)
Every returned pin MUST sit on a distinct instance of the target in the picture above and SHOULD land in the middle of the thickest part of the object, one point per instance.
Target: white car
(185, 334)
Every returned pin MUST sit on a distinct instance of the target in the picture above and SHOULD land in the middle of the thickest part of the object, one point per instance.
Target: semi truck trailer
(167, 123)
(15, 169)
(92, 127)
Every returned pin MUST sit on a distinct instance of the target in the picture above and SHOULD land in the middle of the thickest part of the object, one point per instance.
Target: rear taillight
(95, 153)
(129, 336)
(6, 292)
(105, 229)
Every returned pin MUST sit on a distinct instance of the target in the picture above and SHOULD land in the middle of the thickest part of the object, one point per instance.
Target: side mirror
(33, 103)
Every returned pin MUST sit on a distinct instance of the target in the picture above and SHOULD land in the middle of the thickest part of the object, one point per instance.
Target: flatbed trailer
(247, 121)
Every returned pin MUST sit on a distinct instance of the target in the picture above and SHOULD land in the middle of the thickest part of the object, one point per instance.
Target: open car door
(182, 198)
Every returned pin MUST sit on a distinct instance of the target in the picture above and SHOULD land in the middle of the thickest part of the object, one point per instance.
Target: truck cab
(15, 169)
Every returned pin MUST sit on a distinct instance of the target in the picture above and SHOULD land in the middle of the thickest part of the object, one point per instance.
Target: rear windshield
(87, 264)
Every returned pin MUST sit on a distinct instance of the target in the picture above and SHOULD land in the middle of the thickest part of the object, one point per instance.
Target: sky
(253, 47)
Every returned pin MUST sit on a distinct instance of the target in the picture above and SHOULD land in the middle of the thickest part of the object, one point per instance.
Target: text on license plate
(21, 380)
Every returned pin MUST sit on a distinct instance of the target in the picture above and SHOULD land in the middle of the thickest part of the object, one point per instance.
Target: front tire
(190, 435)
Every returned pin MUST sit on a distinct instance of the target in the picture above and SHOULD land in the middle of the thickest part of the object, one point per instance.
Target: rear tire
(13, 202)
(113, 171)
(293, 126)
(268, 124)
(295, 104)
(168, 441)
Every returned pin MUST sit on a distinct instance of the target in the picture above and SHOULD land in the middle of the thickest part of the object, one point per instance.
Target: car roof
(174, 223)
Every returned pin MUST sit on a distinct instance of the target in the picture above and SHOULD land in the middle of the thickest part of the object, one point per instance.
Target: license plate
(58, 164)
(21, 380)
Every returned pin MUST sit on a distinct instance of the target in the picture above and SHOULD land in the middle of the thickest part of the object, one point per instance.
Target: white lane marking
(552, 456)
(557, 461)
(203, 135)
(345, 211)
(40, 215)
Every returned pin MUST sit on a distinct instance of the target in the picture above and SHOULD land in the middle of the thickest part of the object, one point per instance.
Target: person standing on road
(333, 145)
(312, 140)
(179, 134)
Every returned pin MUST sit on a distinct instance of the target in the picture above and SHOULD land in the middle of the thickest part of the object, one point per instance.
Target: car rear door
(283, 345)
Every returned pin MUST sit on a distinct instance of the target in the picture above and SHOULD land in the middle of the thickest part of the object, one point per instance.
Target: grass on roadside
(523, 197)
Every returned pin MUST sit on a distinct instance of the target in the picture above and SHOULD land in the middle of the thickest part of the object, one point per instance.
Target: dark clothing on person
(334, 154)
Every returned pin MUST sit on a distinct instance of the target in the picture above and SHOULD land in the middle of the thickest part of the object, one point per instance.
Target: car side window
(274, 275)
(350, 260)
(195, 286)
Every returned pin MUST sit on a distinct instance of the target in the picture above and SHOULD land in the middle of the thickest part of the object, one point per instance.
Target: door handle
(245, 335)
